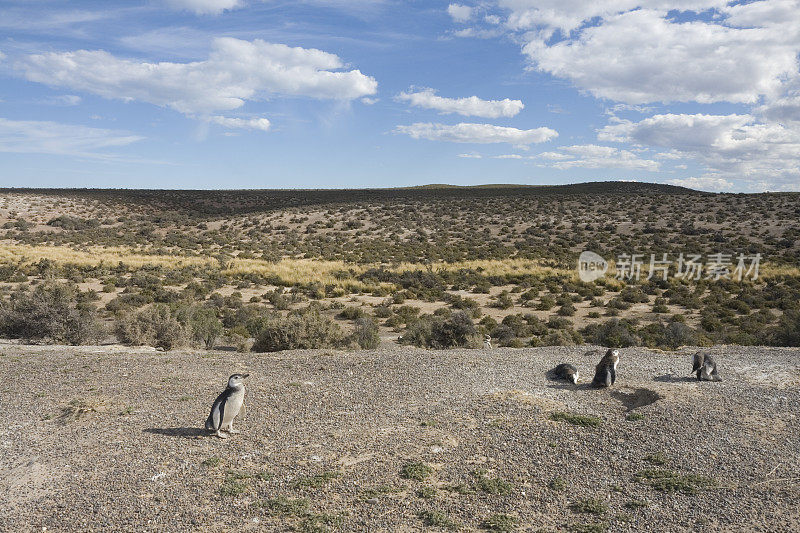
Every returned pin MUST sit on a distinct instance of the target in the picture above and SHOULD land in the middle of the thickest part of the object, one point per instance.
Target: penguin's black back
(604, 374)
(564, 370)
(219, 403)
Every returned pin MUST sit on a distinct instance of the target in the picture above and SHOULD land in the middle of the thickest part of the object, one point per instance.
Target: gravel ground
(110, 438)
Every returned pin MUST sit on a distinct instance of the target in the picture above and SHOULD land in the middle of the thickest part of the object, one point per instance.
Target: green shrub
(556, 322)
(670, 336)
(618, 304)
(51, 313)
(301, 329)
(438, 519)
(633, 295)
(278, 299)
(500, 522)
(204, 325)
(503, 335)
(787, 332)
(677, 334)
(561, 337)
(660, 306)
(68, 222)
(416, 471)
(614, 333)
(670, 481)
(156, 325)
(590, 506)
(546, 303)
(382, 311)
(568, 309)
(457, 330)
(503, 301)
(576, 419)
(493, 485)
(365, 333)
(351, 313)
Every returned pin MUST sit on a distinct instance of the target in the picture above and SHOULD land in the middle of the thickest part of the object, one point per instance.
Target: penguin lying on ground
(705, 366)
(566, 371)
(605, 373)
(227, 406)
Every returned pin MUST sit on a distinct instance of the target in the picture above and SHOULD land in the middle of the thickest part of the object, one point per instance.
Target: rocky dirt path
(398, 439)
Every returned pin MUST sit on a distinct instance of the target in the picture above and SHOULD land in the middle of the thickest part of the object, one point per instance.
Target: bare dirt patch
(327, 435)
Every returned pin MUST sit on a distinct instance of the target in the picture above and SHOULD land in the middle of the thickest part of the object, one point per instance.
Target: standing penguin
(487, 342)
(705, 366)
(566, 371)
(227, 406)
(605, 373)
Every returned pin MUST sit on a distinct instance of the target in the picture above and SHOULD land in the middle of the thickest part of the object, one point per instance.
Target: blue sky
(376, 93)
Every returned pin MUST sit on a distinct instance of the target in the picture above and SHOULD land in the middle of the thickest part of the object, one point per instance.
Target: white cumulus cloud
(204, 7)
(459, 12)
(731, 147)
(476, 133)
(703, 183)
(567, 15)
(595, 156)
(241, 123)
(235, 71)
(469, 106)
(640, 57)
(46, 137)
(784, 109)
(508, 156)
(63, 100)
(634, 52)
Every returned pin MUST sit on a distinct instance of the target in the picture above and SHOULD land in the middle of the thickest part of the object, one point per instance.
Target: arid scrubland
(355, 428)
(431, 266)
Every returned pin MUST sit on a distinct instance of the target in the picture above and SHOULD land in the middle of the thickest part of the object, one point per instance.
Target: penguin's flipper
(221, 413)
(697, 362)
(214, 420)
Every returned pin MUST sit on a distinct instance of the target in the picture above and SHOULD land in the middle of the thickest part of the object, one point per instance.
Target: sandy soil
(110, 438)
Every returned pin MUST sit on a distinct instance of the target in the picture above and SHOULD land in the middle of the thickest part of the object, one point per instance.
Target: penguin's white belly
(232, 407)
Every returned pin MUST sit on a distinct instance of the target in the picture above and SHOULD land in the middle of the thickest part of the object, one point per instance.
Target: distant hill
(224, 202)
(591, 187)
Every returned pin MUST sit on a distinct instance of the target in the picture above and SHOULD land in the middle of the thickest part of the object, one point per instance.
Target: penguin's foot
(233, 431)
(220, 435)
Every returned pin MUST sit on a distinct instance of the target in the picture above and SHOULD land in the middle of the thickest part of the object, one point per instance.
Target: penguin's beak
(245, 375)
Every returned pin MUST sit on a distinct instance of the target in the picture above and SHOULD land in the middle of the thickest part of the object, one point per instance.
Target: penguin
(705, 366)
(566, 371)
(487, 342)
(226, 407)
(605, 373)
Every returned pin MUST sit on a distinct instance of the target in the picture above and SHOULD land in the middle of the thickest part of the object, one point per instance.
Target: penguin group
(230, 403)
(705, 366)
(605, 373)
